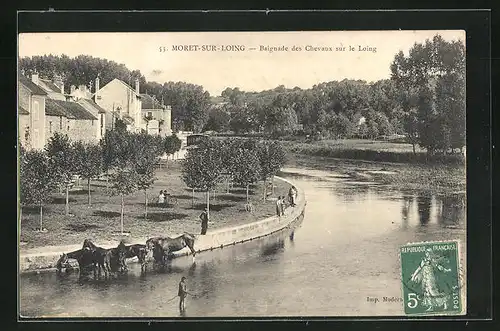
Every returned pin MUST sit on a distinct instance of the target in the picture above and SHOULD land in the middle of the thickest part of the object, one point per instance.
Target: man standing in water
(204, 221)
(182, 294)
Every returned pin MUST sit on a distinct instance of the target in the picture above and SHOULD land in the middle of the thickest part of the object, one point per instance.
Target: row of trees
(240, 161)
(129, 159)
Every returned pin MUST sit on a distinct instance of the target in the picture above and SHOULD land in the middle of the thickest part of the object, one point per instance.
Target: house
(120, 101)
(31, 113)
(83, 96)
(65, 115)
(156, 117)
(73, 119)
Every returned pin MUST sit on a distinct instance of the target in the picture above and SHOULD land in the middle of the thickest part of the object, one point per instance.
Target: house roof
(125, 84)
(32, 87)
(52, 108)
(22, 111)
(68, 109)
(50, 85)
(148, 102)
(91, 103)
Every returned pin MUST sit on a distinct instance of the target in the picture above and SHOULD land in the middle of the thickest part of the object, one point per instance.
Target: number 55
(412, 300)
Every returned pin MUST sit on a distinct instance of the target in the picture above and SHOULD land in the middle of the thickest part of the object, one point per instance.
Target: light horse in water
(162, 247)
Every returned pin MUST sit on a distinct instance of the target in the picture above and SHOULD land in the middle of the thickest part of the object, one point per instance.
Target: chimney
(72, 89)
(137, 86)
(96, 88)
(59, 83)
(34, 78)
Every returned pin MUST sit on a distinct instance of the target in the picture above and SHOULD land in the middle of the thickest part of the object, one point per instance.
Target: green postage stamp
(431, 278)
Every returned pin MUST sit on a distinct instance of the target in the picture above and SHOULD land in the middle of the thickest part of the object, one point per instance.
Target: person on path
(182, 294)
(294, 196)
(161, 198)
(283, 205)
(290, 196)
(278, 206)
(204, 221)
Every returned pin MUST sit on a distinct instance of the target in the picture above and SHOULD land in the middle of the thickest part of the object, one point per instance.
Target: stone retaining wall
(38, 261)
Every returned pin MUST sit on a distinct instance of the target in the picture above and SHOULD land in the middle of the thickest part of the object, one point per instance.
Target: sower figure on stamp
(204, 221)
(425, 274)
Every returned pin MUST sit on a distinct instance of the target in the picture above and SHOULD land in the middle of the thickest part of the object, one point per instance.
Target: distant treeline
(424, 99)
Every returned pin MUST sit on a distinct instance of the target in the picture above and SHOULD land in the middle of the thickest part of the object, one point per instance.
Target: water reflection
(273, 248)
(446, 210)
(452, 210)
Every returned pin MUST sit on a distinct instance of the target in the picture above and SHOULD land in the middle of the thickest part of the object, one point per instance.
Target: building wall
(23, 125)
(24, 97)
(114, 95)
(83, 130)
(55, 124)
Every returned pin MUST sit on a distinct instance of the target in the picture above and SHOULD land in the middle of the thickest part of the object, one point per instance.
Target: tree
(272, 157)
(62, 157)
(218, 120)
(248, 171)
(124, 182)
(171, 144)
(37, 180)
(436, 71)
(146, 150)
(89, 162)
(203, 167)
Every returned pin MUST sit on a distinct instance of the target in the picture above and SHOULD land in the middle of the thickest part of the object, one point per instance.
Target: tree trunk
(227, 184)
(208, 204)
(192, 201)
(247, 192)
(272, 183)
(41, 217)
(265, 190)
(107, 179)
(121, 215)
(145, 204)
(413, 146)
(88, 186)
(67, 199)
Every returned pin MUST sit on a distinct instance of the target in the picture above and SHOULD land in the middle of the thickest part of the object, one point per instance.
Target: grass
(370, 150)
(99, 221)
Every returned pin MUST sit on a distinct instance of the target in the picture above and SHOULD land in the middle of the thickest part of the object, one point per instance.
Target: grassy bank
(99, 221)
(430, 178)
(370, 150)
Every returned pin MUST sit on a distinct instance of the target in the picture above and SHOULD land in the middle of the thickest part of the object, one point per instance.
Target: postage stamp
(431, 278)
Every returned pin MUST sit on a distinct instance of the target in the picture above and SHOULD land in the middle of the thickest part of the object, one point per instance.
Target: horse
(138, 250)
(82, 256)
(106, 259)
(167, 245)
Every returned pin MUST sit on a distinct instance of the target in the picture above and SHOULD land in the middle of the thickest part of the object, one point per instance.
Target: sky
(171, 56)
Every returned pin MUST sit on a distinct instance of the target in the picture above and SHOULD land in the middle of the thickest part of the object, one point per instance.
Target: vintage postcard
(242, 174)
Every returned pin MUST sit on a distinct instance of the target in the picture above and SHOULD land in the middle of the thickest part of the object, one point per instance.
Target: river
(343, 252)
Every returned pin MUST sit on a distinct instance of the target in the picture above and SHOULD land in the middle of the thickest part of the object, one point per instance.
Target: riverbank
(371, 150)
(437, 179)
(101, 221)
(44, 258)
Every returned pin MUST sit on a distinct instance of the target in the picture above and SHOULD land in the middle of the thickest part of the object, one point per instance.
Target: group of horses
(113, 260)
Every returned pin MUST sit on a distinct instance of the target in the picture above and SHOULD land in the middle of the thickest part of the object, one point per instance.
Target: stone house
(83, 96)
(120, 101)
(31, 113)
(156, 117)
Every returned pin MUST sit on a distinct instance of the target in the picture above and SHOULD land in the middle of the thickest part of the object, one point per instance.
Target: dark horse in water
(162, 247)
(138, 250)
(106, 259)
(84, 258)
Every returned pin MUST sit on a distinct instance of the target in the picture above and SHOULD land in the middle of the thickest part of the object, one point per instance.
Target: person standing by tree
(278, 206)
(204, 221)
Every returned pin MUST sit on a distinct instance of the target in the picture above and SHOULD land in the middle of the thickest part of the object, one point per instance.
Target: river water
(343, 252)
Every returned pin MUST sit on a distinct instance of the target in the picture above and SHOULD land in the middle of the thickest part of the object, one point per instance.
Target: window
(36, 115)
(92, 122)
(50, 126)
(60, 122)
(68, 125)
(150, 114)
